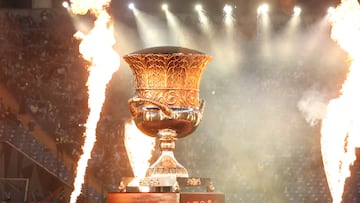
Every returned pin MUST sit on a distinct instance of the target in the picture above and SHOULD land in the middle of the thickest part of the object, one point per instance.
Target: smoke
(313, 104)
(252, 130)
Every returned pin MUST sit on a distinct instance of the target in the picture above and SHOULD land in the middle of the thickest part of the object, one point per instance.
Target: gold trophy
(167, 104)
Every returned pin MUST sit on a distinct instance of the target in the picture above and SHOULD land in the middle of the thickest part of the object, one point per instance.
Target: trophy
(167, 105)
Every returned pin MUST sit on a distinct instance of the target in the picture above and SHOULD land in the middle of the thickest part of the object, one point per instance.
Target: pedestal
(182, 197)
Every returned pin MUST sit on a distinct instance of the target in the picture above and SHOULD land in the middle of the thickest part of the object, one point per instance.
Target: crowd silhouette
(41, 66)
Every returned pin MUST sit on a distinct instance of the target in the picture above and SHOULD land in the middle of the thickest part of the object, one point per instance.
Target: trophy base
(183, 197)
(166, 184)
(169, 189)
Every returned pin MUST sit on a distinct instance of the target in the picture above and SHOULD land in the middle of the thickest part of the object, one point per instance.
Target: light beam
(228, 15)
(263, 30)
(203, 20)
(178, 32)
(152, 31)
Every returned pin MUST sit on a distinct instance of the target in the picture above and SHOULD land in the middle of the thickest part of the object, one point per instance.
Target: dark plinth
(206, 197)
(183, 197)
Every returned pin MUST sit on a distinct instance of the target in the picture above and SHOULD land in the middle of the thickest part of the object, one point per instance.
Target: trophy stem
(166, 164)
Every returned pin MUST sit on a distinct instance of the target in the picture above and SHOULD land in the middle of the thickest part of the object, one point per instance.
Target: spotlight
(331, 11)
(164, 7)
(198, 7)
(227, 9)
(65, 4)
(297, 10)
(131, 6)
(263, 9)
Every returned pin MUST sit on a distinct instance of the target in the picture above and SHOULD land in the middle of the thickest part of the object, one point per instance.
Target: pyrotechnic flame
(341, 126)
(96, 47)
(139, 148)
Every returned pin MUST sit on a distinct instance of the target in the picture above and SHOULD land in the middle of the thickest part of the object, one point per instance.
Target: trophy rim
(163, 50)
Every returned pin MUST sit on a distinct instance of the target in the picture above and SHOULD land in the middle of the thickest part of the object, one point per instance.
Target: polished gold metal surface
(169, 75)
(167, 103)
(152, 119)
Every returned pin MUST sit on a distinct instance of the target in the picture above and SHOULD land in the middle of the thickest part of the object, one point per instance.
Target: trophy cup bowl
(167, 104)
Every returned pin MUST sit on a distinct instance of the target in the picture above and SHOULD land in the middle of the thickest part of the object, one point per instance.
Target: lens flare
(341, 126)
(96, 47)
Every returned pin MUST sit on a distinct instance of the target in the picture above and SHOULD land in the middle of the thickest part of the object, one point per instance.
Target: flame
(341, 126)
(96, 47)
(139, 148)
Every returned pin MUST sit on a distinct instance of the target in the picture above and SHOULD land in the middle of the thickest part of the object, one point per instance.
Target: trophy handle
(135, 100)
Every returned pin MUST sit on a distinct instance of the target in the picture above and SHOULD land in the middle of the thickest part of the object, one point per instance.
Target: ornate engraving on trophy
(167, 104)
